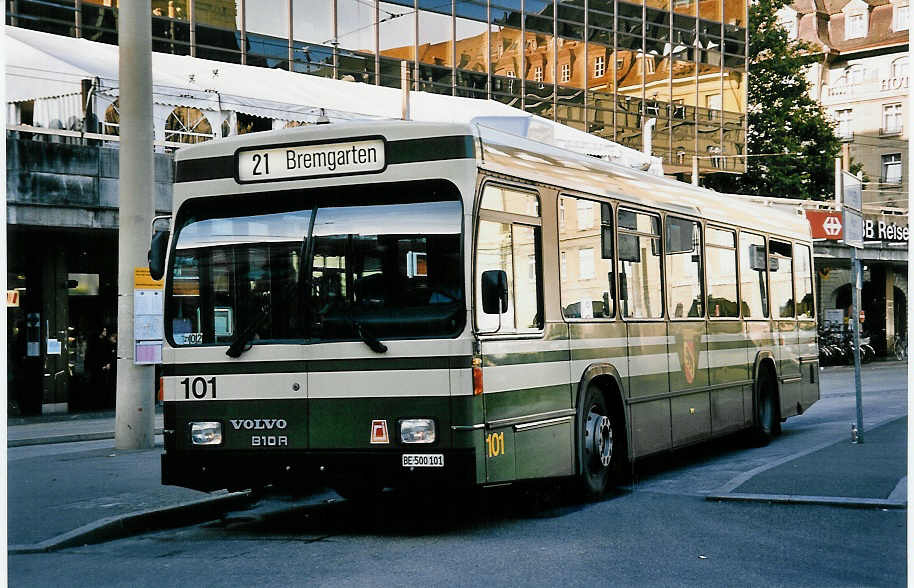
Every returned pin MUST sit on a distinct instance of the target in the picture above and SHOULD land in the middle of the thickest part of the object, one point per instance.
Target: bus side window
(754, 277)
(515, 247)
(780, 267)
(641, 271)
(684, 268)
(803, 265)
(586, 250)
(720, 245)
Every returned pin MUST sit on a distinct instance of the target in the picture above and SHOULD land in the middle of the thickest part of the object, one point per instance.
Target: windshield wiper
(373, 343)
(242, 341)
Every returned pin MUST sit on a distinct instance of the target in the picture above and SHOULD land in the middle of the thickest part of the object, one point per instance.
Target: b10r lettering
(199, 387)
(269, 441)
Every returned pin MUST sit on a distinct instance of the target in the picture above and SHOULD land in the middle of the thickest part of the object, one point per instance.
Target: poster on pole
(852, 207)
(148, 313)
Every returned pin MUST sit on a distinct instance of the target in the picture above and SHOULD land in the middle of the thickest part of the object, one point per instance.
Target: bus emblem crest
(689, 360)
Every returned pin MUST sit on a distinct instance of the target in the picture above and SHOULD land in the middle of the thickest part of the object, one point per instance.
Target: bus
(405, 304)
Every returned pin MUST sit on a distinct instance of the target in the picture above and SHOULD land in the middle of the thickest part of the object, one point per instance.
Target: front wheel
(601, 442)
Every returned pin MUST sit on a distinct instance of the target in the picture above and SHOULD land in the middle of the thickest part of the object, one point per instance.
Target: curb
(65, 439)
(816, 500)
(117, 527)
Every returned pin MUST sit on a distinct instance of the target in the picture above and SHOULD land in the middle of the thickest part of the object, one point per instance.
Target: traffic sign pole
(855, 319)
(852, 207)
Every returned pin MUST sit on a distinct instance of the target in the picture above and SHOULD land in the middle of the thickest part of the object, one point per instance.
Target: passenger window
(507, 200)
(515, 248)
(587, 282)
(780, 266)
(683, 266)
(754, 278)
(721, 253)
(641, 273)
(805, 303)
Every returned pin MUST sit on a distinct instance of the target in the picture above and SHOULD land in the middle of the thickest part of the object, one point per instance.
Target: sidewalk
(871, 474)
(67, 495)
(62, 494)
(24, 431)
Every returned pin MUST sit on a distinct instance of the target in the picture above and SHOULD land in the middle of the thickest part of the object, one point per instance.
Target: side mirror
(494, 291)
(158, 249)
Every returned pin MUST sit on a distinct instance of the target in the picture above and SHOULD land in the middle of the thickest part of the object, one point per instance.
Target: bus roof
(512, 155)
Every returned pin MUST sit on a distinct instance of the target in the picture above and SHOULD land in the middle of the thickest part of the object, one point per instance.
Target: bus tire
(600, 433)
(767, 418)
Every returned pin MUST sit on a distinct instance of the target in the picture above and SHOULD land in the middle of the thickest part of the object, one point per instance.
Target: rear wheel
(601, 443)
(767, 418)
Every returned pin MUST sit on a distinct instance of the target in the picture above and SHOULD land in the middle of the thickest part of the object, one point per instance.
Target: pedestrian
(98, 365)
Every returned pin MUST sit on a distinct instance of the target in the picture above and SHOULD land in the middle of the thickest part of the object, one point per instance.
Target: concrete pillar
(135, 416)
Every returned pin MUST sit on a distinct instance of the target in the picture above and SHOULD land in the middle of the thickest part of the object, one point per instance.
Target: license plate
(423, 460)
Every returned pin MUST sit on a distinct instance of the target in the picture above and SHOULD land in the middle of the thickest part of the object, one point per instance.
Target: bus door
(728, 366)
(690, 408)
(528, 418)
(806, 322)
(783, 309)
(641, 305)
(754, 307)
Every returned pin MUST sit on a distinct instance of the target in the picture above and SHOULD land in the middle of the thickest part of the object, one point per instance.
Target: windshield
(340, 264)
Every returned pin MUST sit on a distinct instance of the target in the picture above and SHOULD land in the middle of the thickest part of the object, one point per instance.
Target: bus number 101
(495, 443)
(199, 387)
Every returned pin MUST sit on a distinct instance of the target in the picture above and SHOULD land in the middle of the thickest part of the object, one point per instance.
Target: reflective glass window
(588, 286)
(641, 272)
(684, 267)
(721, 255)
(753, 276)
(780, 267)
(806, 308)
(516, 249)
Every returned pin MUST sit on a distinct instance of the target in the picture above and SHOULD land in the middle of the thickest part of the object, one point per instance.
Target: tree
(782, 118)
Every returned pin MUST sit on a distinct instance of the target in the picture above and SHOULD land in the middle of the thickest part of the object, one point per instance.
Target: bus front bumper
(209, 471)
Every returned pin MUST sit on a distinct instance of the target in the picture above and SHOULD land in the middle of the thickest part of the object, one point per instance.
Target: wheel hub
(599, 443)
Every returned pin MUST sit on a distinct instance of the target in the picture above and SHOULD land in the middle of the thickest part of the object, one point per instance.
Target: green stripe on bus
(314, 366)
(511, 404)
(598, 353)
(501, 359)
(430, 149)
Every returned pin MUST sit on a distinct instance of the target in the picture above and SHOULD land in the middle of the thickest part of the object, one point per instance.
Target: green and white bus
(395, 304)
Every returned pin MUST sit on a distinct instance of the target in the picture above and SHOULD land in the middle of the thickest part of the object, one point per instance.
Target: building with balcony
(860, 75)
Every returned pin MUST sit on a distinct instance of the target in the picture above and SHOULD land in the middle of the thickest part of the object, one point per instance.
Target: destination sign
(305, 161)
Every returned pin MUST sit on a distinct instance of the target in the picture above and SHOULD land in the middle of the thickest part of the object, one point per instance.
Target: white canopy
(45, 66)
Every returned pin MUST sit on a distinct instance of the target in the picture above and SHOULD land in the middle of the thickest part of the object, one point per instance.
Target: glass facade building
(608, 67)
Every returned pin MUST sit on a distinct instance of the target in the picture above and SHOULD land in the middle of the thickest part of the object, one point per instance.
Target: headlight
(208, 433)
(417, 431)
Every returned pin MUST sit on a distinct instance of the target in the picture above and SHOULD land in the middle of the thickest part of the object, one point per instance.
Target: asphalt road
(656, 531)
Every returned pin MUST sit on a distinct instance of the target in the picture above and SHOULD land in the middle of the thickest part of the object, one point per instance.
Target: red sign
(12, 298)
(825, 224)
